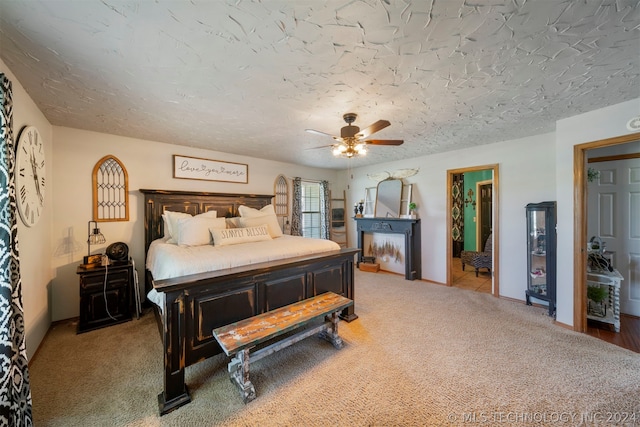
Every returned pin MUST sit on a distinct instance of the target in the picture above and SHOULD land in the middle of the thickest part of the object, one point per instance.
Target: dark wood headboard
(193, 202)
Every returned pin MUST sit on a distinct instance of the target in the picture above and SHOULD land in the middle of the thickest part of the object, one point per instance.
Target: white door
(614, 215)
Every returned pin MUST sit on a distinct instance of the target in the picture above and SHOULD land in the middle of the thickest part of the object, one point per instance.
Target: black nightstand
(118, 290)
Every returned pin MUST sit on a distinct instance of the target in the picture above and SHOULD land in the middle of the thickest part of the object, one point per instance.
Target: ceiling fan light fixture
(351, 141)
(339, 149)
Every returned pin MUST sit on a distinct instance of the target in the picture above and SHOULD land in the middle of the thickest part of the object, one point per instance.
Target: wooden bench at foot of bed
(239, 338)
(196, 304)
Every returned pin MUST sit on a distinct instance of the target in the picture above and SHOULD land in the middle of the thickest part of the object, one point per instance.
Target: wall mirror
(388, 198)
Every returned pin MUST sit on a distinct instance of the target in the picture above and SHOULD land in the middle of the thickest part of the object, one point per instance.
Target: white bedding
(166, 260)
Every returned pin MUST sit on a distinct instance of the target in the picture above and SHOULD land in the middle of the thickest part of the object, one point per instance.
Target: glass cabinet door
(541, 253)
(537, 252)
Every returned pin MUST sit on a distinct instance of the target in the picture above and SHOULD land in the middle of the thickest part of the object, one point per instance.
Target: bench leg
(331, 333)
(238, 369)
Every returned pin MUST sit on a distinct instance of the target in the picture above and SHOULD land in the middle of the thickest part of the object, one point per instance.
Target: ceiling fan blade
(377, 126)
(385, 141)
(322, 146)
(317, 132)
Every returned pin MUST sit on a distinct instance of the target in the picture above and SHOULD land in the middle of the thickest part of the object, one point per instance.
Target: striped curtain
(15, 393)
(296, 209)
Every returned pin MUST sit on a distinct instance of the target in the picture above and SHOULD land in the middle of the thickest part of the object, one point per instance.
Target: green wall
(470, 180)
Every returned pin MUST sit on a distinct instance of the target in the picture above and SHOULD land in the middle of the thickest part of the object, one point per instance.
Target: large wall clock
(30, 175)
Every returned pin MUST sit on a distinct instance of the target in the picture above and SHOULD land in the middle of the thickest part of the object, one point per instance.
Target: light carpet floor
(420, 354)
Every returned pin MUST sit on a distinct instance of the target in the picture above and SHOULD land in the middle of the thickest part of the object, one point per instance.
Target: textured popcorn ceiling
(248, 77)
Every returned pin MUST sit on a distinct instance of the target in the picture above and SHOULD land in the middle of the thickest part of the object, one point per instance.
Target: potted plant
(595, 304)
(412, 209)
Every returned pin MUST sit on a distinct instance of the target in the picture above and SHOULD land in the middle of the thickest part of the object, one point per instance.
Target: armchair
(479, 259)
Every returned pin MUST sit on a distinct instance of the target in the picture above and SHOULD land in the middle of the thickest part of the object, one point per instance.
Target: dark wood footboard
(197, 304)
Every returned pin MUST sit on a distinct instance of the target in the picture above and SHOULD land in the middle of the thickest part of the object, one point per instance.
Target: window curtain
(296, 210)
(324, 210)
(15, 393)
(457, 214)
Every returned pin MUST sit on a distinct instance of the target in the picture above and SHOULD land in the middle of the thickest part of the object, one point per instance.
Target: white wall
(149, 165)
(596, 125)
(526, 175)
(35, 242)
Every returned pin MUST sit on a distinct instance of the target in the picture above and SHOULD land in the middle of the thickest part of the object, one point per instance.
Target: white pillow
(267, 215)
(233, 236)
(170, 222)
(194, 231)
(246, 211)
(271, 221)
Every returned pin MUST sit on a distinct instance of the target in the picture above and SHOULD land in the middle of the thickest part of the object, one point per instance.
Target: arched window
(110, 190)
(281, 190)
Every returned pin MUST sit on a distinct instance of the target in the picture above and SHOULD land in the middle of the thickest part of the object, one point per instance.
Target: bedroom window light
(310, 207)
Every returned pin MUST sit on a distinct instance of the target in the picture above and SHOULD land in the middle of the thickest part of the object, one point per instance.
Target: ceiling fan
(352, 141)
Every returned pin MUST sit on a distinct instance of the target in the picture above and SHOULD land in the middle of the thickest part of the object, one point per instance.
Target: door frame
(580, 225)
(495, 289)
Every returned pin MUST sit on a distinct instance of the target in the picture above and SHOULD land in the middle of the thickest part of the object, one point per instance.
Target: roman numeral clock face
(30, 175)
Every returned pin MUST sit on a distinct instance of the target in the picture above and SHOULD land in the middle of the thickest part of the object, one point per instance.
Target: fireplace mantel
(410, 227)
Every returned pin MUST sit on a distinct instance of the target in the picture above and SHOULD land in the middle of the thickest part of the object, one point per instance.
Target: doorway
(580, 225)
(452, 175)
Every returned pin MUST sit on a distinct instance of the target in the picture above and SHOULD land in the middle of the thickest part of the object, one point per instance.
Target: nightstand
(113, 284)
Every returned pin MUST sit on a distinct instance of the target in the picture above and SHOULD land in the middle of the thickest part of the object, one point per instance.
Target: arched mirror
(388, 198)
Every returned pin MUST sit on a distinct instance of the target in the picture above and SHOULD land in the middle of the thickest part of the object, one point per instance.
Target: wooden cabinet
(105, 296)
(607, 310)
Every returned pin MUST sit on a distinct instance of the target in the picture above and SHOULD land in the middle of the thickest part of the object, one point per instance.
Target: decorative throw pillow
(251, 217)
(271, 221)
(233, 236)
(194, 231)
(170, 222)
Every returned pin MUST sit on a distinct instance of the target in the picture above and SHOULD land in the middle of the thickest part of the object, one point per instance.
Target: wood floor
(628, 337)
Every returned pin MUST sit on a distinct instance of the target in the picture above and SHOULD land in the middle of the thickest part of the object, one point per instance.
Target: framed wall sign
(185, 167)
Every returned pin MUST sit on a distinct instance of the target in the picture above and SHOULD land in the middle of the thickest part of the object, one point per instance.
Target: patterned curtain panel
(296, 211)
(324, 210)
(457, 213)
(15, 393)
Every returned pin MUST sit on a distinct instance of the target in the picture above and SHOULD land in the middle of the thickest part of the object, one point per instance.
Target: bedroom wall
(34, 242)
(595, 125)
(532, 169)
(527, 174)
(149, 165)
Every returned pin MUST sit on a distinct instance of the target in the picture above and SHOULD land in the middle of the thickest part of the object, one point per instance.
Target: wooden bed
(198, 303)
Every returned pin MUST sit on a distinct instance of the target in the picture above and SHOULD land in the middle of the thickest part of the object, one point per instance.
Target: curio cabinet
(541, 254)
